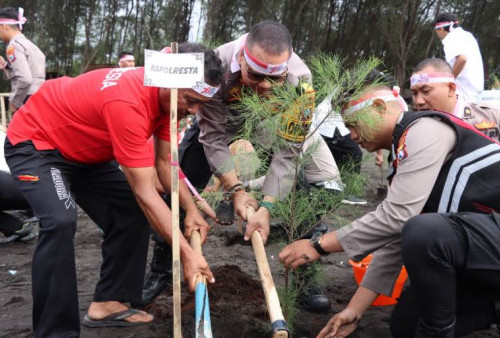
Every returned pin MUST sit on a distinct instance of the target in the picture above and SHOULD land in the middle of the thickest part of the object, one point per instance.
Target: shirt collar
(459, 108)
(239, 44)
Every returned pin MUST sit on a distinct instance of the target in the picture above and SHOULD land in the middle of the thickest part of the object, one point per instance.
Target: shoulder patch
(11, 54)
(485, 125)
(467, 112)
(234, 93)
(401, 152)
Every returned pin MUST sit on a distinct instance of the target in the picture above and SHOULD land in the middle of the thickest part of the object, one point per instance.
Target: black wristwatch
(316, 243)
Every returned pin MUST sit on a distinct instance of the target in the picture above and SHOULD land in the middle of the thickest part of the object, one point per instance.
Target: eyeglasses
(258, 77)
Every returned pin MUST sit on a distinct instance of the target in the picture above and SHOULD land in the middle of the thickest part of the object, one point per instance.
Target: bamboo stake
(176, 265)
(278, 324)
(203, 327)
(4, 115)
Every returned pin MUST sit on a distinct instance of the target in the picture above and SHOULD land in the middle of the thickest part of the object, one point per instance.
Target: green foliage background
(75, 34)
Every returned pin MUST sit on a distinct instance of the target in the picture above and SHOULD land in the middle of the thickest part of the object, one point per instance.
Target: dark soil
(236, 300)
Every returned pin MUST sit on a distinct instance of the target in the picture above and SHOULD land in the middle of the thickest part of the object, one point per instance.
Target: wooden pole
(203, 328)
(176, 263)
(4, 115)
(278, 323)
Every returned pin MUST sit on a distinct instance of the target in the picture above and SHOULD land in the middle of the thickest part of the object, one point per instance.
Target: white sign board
(491, 97)
(167, 70)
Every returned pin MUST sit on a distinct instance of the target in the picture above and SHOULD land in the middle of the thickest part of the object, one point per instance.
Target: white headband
(21, 20)
(261, 67)
(445, 24)
(201, 87)
(384, 95)
(127, 57)
(431, 78)
(205, 89)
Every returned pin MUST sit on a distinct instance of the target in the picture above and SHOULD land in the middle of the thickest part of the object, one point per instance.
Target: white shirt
(470, 81)
(3, 164)
(327, 120)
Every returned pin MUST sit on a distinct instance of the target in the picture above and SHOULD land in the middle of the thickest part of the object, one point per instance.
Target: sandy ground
(237, 300)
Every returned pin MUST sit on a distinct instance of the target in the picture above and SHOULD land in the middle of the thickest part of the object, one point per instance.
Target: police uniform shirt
(483, 118)
(25, 68)
(216, 129)
(423, 151)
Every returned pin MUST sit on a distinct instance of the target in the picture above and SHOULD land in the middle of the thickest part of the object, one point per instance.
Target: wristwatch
(316, 243)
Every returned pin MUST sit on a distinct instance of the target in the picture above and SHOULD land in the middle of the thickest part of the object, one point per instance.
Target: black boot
(310, 297)
(425, 331)
(321, 226)
(17, 230)
(160, 275)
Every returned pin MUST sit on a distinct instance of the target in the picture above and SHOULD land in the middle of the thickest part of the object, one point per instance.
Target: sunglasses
(258, 77)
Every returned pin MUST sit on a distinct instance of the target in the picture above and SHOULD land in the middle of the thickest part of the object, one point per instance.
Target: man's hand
(241, 201)
(206, 209)
(379, 158)
(194, 221)
(13, 108)
(258, 222)
(298, 253)
(3, 64)
(194, 265)
(341, 325)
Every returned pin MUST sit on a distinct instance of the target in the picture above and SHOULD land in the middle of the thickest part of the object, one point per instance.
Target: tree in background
(75, 34)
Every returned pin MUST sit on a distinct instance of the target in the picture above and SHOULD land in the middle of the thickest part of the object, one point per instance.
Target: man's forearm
(459, 64)
(229, 179)
(361, 300)
(141, 181)
(330, 243)
(160, 218)
(185, 197)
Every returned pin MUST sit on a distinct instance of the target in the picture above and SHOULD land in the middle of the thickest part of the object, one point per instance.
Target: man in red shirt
(60, 148)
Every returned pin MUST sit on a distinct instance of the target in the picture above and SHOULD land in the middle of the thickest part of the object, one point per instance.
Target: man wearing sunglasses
(259, 60)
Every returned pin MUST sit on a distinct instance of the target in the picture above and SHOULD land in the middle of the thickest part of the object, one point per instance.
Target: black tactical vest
(470, 179)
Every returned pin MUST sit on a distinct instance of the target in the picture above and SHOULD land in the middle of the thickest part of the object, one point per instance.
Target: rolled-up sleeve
(427, 146)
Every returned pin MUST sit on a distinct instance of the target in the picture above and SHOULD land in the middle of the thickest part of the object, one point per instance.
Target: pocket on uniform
(24, 162)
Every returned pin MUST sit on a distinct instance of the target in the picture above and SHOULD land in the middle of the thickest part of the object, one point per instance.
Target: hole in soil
(237, 306)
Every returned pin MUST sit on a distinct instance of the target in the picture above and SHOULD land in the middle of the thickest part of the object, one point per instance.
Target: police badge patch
(401, 152)
(11, 55)
(485, 125)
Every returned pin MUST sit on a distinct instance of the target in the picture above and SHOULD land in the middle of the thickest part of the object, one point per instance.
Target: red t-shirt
(95, 117)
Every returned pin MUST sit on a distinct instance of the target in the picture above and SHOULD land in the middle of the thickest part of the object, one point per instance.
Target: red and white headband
(21, 20)
(431, 78)
(201, 87)
(445, 24)
(368, 99)
(262, 67)
(127, 57)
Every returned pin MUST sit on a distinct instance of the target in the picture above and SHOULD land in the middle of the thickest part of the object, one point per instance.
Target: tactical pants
(453, 261)
(346, 152)
(53, 186)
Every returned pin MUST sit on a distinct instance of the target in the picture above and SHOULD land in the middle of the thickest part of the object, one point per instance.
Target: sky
(197, 22)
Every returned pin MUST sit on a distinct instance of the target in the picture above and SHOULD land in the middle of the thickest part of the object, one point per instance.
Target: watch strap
(319, 249)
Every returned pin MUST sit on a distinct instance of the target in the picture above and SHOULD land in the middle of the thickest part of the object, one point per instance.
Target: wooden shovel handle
(270, 293)
(195, 242)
